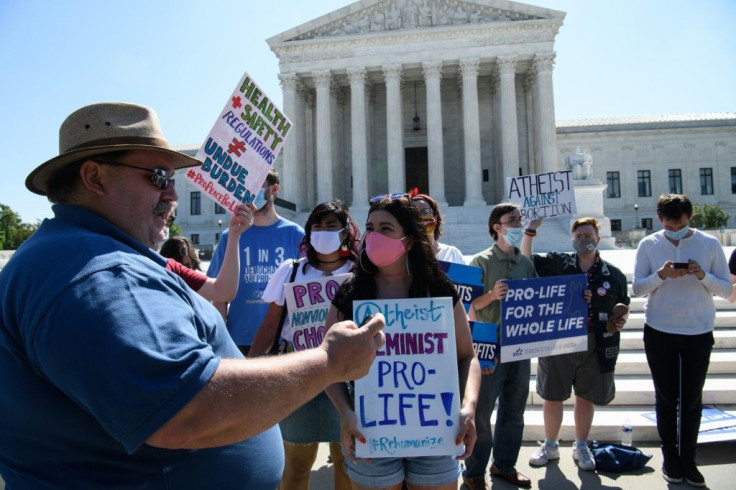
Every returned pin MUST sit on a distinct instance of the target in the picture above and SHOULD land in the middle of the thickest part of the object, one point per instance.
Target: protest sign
(542, 317)
(543, 195)
(408, 404)
(308, 303)
(715, 424)
(466, 278)
(485, 343)
(241, 147)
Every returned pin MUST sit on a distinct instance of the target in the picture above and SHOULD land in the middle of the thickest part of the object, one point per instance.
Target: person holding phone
(678, 330)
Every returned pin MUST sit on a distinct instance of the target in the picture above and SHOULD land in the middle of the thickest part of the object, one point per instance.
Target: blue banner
(466, 278)
(542, 317)
(485, 343)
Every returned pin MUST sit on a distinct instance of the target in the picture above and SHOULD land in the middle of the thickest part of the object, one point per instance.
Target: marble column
(337, 102)
(543, 64)
(290, 179)
(435, 148)
(531, 129)
(300, 146)
(394, 129)
(471, 133)
(322, 80)
(509, 126)
(358, 137)
(309, 175)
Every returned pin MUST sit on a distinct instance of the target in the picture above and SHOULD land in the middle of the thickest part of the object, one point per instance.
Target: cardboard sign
(543, 195)
(466, 278)
(542, 317)
(485, 343)
(241, 147)
(308, 303)
(408, 404)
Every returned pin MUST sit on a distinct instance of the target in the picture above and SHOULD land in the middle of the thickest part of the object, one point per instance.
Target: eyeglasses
(513, 221)
(159, 177)
(392, 197)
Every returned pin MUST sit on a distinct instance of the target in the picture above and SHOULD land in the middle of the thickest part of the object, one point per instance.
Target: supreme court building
(448, 96)
(453, 97)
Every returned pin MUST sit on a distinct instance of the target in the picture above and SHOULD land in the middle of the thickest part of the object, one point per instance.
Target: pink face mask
(382, 250)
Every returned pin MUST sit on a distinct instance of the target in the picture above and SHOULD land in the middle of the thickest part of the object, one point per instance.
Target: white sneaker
(544, 455)
(583, 457)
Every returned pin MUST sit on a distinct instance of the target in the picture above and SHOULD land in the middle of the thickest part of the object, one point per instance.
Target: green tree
(175, 230)
(13, 231)
(709, 217)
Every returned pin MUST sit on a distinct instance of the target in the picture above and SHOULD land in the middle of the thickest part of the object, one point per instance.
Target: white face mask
(260, 201)
(325, 242)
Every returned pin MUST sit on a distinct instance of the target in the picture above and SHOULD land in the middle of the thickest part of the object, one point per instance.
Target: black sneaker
(694, 477)
(672, 475)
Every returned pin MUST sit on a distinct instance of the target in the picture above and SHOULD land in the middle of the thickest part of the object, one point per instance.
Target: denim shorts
(387, 472)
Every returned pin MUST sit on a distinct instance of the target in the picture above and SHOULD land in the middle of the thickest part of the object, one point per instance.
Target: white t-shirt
(448, 253)
(274, 292)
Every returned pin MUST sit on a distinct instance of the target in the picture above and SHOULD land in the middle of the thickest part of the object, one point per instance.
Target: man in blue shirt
(113, 372)
(263, 247)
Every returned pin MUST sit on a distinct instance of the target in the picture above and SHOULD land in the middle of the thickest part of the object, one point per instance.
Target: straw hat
(103, 128)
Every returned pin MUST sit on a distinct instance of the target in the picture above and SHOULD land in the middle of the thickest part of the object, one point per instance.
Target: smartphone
(680, 265)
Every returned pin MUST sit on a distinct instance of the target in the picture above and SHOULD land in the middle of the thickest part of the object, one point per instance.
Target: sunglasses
(392, 197)
(159, 177)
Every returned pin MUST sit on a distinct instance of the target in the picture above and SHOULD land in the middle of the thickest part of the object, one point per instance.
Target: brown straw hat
(103, 128)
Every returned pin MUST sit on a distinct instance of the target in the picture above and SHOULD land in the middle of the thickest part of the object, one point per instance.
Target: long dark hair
(352, 231)
(427, 278)
(179, 247)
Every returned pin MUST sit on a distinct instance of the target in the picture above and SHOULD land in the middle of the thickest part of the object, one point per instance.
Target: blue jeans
(509, 384)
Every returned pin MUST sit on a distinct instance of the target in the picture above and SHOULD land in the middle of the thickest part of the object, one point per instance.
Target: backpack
(617, 458)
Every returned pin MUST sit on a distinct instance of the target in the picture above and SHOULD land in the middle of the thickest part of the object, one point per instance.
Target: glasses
(159, 177)
(392, 197)
(514, 222)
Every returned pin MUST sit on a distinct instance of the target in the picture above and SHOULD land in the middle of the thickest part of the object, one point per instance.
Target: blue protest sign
(544, 316)
(485, 343)
(466, 278)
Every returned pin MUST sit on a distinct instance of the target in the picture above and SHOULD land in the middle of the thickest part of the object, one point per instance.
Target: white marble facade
(478, 74)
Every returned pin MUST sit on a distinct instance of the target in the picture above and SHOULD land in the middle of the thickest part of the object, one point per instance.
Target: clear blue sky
(183, 58)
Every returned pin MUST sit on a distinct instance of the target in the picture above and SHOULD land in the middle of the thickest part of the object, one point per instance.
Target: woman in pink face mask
(397, 261)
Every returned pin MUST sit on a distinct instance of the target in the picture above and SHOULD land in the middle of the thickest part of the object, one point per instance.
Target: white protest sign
(408, 404)
(308, 303)
(543, 195)
(544, 316)
(241, 147)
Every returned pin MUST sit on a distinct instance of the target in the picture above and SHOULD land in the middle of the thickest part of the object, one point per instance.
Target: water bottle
(627, 431)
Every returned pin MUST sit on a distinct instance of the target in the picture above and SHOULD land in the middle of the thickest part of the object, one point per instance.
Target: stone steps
(722, 361)
(606, 424)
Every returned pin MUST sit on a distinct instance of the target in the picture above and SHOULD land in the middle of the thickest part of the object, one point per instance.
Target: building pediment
(401, 17)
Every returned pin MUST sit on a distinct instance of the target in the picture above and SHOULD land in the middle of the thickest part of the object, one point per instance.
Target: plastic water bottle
(627, 431)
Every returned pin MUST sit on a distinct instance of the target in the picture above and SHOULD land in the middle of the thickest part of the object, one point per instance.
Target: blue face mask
(677, 235)
(260, 201)
(514, 236)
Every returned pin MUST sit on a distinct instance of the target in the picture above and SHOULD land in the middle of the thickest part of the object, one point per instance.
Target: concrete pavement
(717, 462)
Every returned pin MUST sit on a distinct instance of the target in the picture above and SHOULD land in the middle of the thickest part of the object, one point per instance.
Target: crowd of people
(124, 365)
